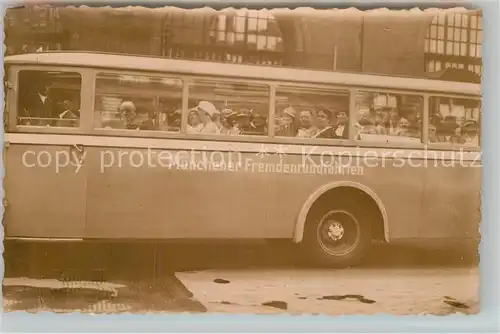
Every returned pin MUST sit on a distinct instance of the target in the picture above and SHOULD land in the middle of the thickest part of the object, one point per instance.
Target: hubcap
(335, 230)
(338, 232)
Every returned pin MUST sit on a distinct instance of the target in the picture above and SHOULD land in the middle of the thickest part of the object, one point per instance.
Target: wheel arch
(300, 223)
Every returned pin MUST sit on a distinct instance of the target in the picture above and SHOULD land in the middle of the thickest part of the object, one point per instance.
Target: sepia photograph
(242, 160)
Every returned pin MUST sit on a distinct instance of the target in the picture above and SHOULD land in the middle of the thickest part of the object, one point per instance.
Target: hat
(326, 111)
(290, 112)
(243, 114)
(207, 107)
(306, 111)
(226, 111)
(470, 125)
(127, 105)
(232, 114)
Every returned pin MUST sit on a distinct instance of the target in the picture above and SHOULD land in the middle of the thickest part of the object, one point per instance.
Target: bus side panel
(452, 202)
(44, 200)
(154, 202)
(399, 188)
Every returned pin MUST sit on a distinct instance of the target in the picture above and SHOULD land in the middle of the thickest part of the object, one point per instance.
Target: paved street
(394, 291)
(238, 279)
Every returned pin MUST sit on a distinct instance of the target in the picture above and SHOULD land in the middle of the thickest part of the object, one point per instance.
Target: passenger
(432, 134)
(381, 120)
(147, 118)
(436, 118)
(341, 129)
(365, 119)
(130, 119)
(418, 117)
(379, 125)
(324, 121)
(450, 130)
(403, 128)
(458, 137)
(224, 120)
(258, 123)
(306, 129)
(470, 133)
(243, 122)
(217, 120)
(39, 108)
(194, 122)
(209, 115)
(393, 124)
(163, 121)
(70, 116)
(287, 125)
(234, 125)
(170, 120)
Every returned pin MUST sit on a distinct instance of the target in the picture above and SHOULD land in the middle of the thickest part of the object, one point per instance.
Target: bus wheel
(337, 236)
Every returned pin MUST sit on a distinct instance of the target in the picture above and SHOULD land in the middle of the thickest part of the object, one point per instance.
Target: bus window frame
(187, 79)
(318, 141)
(10, 98)
(220, 137)
(13, 125)
(455, 147)
(400, 92)
(132, 133)
(271, 138)
(87, 102)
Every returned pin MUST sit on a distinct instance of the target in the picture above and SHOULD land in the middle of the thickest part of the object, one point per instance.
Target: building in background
(454, 40)
(412, 43)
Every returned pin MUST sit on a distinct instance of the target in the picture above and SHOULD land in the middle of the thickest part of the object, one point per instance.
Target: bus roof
(274, 73)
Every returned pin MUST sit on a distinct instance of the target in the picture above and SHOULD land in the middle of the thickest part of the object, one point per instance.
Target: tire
(337, 233)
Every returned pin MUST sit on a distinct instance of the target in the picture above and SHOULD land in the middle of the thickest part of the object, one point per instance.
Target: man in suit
(341, 130)
(70, 116)
(38, 108)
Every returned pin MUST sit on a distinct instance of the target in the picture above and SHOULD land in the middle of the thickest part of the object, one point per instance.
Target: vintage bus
(121, 147)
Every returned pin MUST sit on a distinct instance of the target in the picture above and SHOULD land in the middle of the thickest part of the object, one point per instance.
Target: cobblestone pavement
(235, 280)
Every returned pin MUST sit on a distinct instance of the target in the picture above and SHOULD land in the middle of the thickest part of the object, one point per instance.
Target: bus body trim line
(48, 239)
(189, 144)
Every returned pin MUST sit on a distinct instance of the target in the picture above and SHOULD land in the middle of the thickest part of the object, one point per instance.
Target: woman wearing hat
(258, 123)
(194, 122)
(232, 127)
(287, 126)
(470, 134)
(450, 130)
(210, 118)
(238, 122)
(324, 121)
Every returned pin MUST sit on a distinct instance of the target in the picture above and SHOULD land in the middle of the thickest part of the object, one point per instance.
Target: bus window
(454, 121)
(228, 108)
(133, 102)
(389, 117)
(311, 112)
(49, 98)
